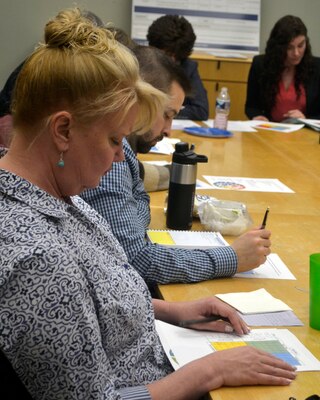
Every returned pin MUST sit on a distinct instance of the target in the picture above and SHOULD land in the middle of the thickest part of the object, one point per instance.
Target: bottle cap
(184, 155)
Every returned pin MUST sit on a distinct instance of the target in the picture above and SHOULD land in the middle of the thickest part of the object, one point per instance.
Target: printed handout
(247, 184)
(184, 345)
(273, 268)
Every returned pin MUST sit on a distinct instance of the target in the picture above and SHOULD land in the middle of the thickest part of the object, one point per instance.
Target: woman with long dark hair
(285, 81)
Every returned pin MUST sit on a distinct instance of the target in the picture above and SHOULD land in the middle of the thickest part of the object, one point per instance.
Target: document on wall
(223, 26)
(247, 184)
(184, 345)
(273, 268)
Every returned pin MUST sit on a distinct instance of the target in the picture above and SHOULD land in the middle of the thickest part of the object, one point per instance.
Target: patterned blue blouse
(76, 321)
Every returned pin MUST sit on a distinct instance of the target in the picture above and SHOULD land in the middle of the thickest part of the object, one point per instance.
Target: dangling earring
(60, 163)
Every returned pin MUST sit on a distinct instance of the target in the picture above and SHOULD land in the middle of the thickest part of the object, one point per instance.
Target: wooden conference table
(294, 219)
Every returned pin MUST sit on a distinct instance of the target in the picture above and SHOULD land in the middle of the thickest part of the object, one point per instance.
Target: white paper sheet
(165, 146)
(202, 185)
(281, 318)
(257, 301)
(311, 123)
(247, 184)
(276, 126)
(180, 124)
(273, 268)
(235, 126)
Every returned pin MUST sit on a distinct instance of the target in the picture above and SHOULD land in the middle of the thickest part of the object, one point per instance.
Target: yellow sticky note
(161, 237)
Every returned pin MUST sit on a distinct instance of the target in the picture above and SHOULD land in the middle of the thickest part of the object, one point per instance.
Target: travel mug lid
(184, 155)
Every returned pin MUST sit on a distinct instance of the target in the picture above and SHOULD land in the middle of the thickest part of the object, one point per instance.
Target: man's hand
(252, 249)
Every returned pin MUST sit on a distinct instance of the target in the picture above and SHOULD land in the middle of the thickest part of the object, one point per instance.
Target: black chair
(11, 387)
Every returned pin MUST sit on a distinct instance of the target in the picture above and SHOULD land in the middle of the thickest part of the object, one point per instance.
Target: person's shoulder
(189, 65)
(130, 157)
(316, 61)
(258, 59)
(127, 149)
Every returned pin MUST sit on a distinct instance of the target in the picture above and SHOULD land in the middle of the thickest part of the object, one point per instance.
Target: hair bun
(72, 29)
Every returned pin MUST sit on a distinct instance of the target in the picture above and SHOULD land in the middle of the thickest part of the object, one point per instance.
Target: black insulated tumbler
(182, 186)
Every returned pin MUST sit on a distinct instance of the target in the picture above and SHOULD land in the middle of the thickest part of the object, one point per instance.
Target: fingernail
(228, 329)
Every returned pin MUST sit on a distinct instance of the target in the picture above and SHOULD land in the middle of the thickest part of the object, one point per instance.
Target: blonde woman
(76, 320)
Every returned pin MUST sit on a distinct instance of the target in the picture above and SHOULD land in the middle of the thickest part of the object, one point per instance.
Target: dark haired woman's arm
(313, 92)
(253, 106)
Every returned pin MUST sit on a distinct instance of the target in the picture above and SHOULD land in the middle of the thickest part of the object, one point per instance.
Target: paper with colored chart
(184, 345)
(247, 184)
(276, 126)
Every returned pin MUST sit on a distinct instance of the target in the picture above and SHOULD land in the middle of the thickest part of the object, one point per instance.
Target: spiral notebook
(186, 239)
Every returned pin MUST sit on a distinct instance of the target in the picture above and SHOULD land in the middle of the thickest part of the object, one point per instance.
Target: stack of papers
(258, 301)
(260, 308)
(311, 123)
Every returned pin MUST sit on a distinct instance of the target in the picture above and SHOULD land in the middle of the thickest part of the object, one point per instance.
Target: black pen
(189, 322)
(264, 222)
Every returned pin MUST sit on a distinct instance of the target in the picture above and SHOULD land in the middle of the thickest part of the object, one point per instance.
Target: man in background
(175, 36)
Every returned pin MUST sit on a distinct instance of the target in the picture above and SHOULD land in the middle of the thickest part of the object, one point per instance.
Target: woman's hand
(293, 114)
(260, 118)
(239, 366)
(247, 365)
(176, 312)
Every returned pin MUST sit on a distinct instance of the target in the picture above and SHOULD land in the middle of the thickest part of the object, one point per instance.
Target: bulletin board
(221, 26)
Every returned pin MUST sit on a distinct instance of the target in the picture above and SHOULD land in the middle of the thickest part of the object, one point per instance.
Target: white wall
(307, 10)
(22, 22)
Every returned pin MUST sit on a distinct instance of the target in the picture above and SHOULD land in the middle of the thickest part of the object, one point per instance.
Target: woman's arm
(175, 312)
(235, 367)
(253, 107)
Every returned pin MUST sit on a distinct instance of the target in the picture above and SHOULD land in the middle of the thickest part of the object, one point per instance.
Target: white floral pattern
(76, 321)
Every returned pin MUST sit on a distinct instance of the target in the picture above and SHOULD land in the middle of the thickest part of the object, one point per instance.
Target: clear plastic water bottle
(182, 186)
(222, 109)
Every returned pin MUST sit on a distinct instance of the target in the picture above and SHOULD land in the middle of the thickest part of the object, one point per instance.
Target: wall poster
(221, 26)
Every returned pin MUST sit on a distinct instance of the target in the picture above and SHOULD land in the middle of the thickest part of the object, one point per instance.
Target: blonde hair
(83, 69)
